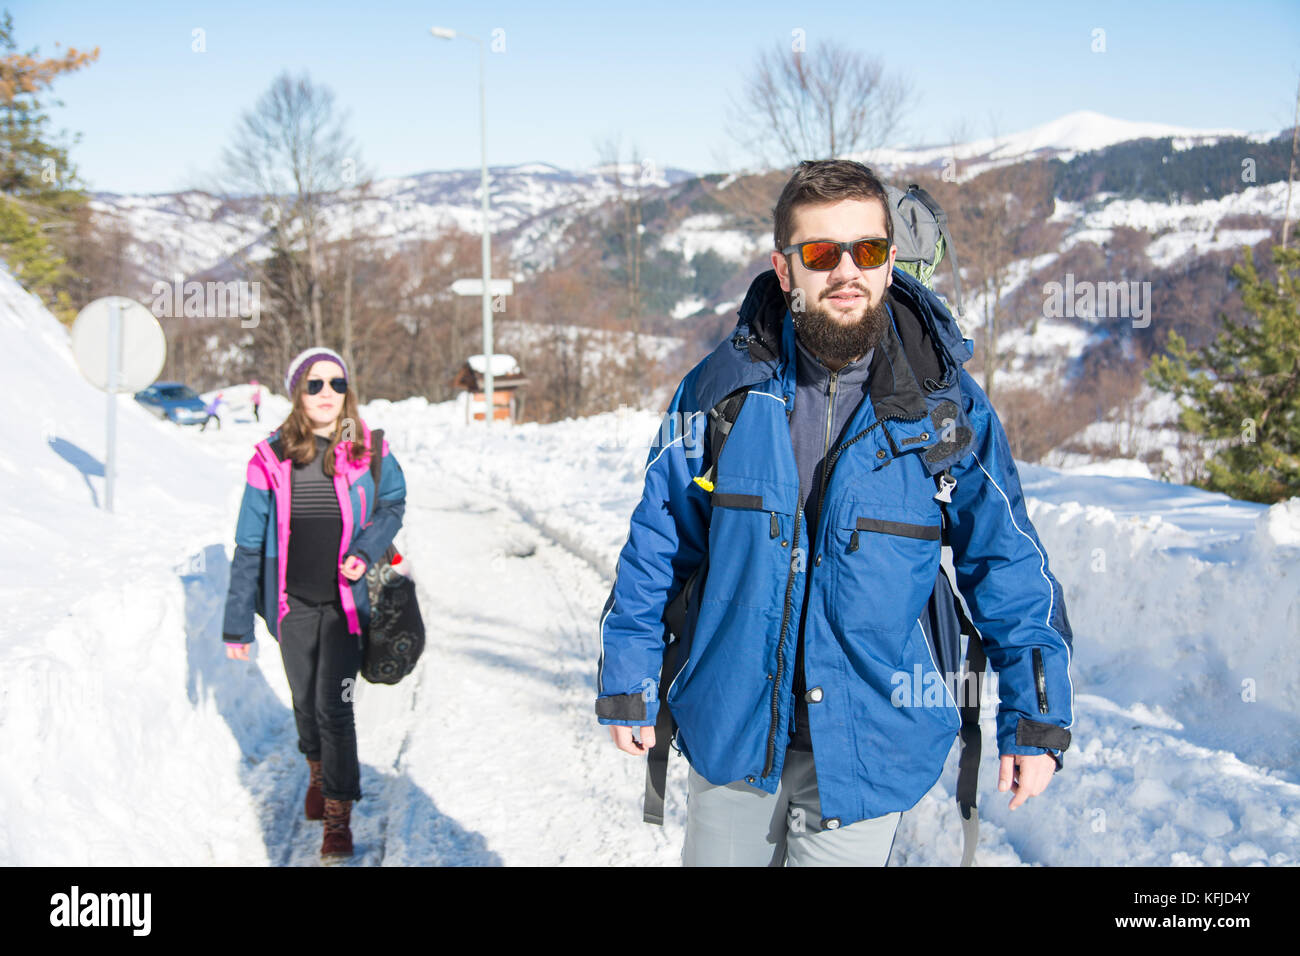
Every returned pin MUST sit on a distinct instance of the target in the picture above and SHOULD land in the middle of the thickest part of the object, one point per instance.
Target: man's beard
(839, 342)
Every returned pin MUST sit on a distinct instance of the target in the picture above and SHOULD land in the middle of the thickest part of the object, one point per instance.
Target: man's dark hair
(819, 181)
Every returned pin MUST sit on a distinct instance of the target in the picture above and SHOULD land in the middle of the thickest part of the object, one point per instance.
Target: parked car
(173, 401)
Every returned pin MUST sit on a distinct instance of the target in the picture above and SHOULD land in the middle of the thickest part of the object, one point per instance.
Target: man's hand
(1025, 776)
(237, 652)
(623, 738)
(353, 567)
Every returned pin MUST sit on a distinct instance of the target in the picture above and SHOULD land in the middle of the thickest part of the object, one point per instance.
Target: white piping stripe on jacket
(663, 702)
(769, 395)
(661, 453)
(1042, 569)
(942, 676)
(600, 671)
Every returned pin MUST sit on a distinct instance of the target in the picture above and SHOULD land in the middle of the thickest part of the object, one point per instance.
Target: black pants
(321, 660)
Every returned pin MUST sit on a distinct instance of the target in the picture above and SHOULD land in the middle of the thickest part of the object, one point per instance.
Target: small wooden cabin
(508, 384)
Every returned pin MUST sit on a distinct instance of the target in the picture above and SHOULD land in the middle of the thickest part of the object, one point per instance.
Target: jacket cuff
(628, 707)
(235, 639)
(1032, 733)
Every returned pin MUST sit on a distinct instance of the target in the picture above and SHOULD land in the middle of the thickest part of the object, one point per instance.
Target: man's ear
(782, 268)
(889, 275)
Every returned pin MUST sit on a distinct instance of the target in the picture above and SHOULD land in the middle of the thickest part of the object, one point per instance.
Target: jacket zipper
(826, 450)
(780, 644)
(1040, 680)
(826, 444)
(789, 583)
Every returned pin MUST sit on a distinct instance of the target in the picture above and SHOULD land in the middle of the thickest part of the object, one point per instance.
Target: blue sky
(153, 114)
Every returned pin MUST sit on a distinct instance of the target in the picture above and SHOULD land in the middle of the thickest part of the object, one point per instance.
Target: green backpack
(922, 237)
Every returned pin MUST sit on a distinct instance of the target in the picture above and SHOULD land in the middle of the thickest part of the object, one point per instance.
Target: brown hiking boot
(314, 805)
(337, 844)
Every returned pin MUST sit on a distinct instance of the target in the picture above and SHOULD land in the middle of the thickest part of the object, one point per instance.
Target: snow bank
(117, 719)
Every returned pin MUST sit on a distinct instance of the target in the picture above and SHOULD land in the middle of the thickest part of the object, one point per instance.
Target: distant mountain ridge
(1082, 131)
(190, 232)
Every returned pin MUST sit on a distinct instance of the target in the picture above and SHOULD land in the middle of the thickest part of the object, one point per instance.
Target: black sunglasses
(823, 255)
(314, 385)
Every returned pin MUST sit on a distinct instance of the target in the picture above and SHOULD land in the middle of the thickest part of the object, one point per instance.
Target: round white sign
(142, 346)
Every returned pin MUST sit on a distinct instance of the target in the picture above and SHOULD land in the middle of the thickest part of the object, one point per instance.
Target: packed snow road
(490, 753)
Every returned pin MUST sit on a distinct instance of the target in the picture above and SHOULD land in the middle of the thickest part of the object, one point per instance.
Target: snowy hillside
(193, 231)
(132, 740)
(1038, 352)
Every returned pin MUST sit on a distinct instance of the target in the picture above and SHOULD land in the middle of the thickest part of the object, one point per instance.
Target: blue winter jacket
(257, 571)
(881, 716)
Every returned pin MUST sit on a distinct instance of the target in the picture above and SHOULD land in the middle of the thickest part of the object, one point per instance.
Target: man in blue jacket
(807, 695)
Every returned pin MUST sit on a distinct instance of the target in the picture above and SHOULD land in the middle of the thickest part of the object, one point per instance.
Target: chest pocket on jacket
(750, 546)
(887, 559)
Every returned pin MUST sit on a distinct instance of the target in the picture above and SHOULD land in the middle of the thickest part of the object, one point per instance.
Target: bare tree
(829, 102)
(413, 333)
(292, 153)
(349, 245)
(993, 220)
(628, 178)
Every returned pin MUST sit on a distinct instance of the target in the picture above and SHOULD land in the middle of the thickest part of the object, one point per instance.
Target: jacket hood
(915, 370)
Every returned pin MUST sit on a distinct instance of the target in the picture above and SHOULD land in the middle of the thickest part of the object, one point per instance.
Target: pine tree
(1244, 387)
(39, 191)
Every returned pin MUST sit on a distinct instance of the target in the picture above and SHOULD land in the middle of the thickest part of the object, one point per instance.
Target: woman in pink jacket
(310, 523)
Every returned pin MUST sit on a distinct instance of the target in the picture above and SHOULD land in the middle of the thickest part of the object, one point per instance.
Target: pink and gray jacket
(371, 518)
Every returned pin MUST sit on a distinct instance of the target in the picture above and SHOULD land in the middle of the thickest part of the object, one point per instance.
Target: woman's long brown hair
(300, 440)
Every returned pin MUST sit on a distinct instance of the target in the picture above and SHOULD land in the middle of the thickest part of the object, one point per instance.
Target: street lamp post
(443, 33)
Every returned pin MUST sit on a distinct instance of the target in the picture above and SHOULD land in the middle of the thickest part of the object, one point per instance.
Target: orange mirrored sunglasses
(823, 255)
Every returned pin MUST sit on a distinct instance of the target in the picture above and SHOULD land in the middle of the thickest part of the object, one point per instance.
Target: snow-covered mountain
(1062, 138)
(191, 232)
(130, 739)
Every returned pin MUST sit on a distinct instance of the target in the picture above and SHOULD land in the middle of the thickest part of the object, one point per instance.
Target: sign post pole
(119, 347)
(487, 289)
(114, 364)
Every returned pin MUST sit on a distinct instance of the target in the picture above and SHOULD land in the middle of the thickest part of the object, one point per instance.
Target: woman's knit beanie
(304, 360)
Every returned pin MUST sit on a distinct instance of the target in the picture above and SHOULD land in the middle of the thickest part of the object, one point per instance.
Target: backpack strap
(941, 219)
(721, 417)
(656, 768)
(968, 758)
(376, 457)
(376, 471)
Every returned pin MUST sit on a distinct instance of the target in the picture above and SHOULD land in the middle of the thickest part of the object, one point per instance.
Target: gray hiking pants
(737, 825)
